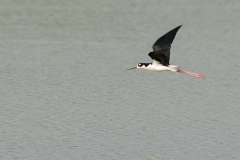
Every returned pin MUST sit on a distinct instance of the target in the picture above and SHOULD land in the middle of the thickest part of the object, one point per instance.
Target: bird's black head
(143, 65)
(139, 65)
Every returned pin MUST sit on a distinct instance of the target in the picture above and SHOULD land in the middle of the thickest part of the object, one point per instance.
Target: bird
(161, 56)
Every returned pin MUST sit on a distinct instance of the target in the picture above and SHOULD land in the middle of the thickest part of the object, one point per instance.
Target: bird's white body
(159, 67)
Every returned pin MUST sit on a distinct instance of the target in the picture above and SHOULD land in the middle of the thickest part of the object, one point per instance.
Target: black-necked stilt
(161, 56)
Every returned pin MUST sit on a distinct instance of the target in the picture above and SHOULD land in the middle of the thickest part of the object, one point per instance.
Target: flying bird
(161, 56)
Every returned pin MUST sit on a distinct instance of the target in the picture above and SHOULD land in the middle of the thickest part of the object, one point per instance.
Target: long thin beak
(132, 68)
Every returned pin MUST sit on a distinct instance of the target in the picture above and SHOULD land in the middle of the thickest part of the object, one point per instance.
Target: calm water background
(65, 92)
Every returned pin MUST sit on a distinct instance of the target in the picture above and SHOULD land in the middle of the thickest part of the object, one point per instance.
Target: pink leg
(191, 74)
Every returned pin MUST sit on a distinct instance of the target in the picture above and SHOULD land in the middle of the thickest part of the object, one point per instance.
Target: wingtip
(179, 26)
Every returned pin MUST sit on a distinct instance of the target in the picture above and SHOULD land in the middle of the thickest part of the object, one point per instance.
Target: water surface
(66, 94)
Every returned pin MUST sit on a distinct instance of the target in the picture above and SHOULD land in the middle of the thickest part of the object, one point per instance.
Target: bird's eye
(139, 65)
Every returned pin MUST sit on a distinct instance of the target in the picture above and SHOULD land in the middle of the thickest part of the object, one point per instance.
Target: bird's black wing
(165, 41)
(159, 57)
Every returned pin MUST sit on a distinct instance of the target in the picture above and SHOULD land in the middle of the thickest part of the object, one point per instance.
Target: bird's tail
(174, 68)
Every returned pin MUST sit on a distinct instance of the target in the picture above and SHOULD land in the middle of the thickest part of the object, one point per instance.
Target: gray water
(65, 92)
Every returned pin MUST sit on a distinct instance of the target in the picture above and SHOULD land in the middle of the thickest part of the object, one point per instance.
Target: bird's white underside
(156, 66)
(159, 67)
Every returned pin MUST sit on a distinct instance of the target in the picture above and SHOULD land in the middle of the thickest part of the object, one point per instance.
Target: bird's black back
(160, 56)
